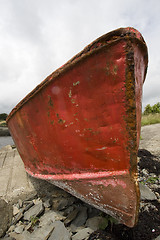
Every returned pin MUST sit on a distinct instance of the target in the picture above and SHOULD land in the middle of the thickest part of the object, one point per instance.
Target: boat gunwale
(105, 40)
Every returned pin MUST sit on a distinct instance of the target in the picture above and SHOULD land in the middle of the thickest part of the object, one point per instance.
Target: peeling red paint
(112, 182)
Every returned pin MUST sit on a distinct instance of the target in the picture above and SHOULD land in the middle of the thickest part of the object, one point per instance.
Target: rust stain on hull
(80, 128)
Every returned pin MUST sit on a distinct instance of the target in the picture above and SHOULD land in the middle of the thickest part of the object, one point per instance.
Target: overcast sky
(38, 36)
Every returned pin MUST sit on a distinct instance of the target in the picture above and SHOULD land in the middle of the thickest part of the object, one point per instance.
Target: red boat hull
(80, 128)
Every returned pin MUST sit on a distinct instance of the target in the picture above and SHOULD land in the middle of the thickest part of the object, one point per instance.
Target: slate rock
(71, 216)
(62, 203)
(58, 192)
(59, 204)
(39, 233)
(82, 234)
(146, 193)
(18, 217)
(6, 212)
(11, 228)
(28, 206)
(59, 232)
(80, 219)
(37, 201)
(68, 210)
(51, 215)
(19, 229)
(93, 212)
(45, 226)
(15, 210)
(34, 211)
(94, 223)
(47, 203)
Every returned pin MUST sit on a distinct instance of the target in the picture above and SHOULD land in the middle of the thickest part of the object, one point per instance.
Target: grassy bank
(150, 119)
(3, 123)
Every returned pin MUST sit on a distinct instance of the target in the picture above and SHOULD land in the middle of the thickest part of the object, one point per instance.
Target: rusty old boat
(80, 128)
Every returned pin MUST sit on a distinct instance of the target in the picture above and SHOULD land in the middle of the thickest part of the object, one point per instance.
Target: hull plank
(80, 128)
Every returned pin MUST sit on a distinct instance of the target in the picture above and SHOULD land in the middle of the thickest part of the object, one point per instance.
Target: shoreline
(4, 132)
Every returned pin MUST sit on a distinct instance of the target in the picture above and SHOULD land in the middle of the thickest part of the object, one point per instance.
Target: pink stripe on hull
(77, 176)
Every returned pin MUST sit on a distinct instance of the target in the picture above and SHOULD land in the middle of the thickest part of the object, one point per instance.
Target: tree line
(152, 109)
(3, 116)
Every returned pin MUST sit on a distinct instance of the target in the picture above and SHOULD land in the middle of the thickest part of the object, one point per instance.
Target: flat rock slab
(80, 219)
(34, 211)
(59, 232)
(39, 233)
(95, 222)
(146, 193)
(82, 234)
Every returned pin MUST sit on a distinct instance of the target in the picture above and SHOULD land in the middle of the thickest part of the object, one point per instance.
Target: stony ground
(55, 214)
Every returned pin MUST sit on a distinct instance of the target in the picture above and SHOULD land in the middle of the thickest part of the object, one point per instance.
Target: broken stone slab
(62, 203)
(37, 200)
(42, 230)
(80, 219)
(47, 203)
(58, 192)
(59, 204)
(146, 193)
(95, 223)
(59, 232)
(39, 233)
(47, 230)
(19, 229)
(34, 211)
(11, 229)
(93, 212)
(71, 216)
(28, 206)
(17, 217)
(82, 234)
(15, 210)
(51, 215)
(68, 210)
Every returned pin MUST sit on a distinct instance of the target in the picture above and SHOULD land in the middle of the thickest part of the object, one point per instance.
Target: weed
(34, 220)
(152, 180)
(150, 119)
(106, 221)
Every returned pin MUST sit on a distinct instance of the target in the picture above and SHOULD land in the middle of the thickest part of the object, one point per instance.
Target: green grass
(150, 119)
